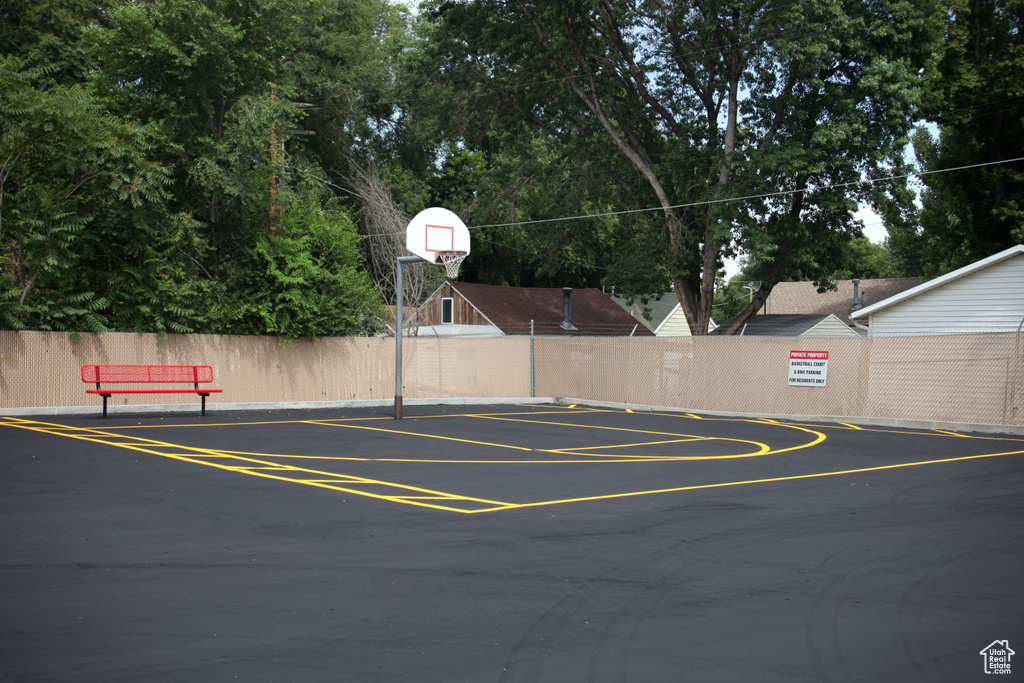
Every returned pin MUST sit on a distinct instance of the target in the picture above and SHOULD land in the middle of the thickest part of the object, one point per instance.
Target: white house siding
(674, 325)
(988, 300)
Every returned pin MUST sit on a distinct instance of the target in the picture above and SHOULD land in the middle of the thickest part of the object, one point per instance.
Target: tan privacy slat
(964, 378)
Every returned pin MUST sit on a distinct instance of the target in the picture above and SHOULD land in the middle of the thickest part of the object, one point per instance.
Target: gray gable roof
(660, 307)
(783, 325)
(970, 269)
(803, 297)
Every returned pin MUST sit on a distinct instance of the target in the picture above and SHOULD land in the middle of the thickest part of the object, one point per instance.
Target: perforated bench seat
(149, 374)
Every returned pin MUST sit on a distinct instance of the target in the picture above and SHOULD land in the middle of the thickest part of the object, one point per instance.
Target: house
(666, 314)
(805, 325)
(985, 296)
(792, 298)
(465, 309)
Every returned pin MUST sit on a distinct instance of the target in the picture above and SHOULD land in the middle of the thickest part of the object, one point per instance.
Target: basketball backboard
(436, 231)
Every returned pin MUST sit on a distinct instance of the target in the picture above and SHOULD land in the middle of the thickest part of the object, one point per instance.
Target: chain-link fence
(976, 379)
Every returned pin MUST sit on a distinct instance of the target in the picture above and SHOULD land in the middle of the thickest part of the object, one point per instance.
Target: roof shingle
(512, 308)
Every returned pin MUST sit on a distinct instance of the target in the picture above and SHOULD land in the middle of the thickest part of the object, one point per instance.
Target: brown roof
(803, 297)
(512, 308)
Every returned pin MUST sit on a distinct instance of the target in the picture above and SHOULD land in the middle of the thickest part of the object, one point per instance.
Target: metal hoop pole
(400, 324)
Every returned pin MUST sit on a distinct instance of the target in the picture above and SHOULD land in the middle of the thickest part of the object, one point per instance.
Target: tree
(304, 279)
(348, 65)
(219, 80)
(192, 66)
(862, 259)
(48, 34)
(732, 297)
(973, 96)
(682, 106)
(385, 235)
(82, 216)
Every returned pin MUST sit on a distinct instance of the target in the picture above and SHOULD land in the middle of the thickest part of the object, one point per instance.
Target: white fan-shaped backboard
(436, 230)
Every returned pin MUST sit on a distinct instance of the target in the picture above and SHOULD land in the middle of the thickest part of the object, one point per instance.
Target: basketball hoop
(452, 260)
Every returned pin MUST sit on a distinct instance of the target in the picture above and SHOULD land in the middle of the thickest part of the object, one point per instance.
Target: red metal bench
(131, 374)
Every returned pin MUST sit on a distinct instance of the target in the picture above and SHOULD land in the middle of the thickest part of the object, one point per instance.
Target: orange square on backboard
(440, 238)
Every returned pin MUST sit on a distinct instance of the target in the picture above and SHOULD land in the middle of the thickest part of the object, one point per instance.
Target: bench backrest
(147, 373)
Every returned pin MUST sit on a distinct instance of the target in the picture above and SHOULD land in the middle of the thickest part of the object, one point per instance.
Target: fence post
(533, 371)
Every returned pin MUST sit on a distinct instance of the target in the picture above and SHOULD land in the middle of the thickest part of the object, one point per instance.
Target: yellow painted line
(417, 496)
(584, 451)
(586, 426)
(102, 437)
(408, 499)
(748, 482)
(420, 434)
(687, 439)
(818, 436)
(264, 469)
(847, 424)
(449, 461)
(330, 477)
(277, 467)
(378, 418)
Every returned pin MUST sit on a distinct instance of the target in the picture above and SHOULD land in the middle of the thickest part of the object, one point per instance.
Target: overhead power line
(766, 195)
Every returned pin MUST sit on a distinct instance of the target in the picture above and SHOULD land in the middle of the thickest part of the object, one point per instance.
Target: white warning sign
(808, 368)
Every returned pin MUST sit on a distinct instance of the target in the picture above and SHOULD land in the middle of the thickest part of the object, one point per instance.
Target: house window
(447, 310)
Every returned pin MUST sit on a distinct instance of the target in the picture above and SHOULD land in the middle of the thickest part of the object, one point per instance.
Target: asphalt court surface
(522, 456)
(504, 543)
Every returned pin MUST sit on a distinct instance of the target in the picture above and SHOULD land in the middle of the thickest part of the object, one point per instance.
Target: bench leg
(105, 397)
(202, 411)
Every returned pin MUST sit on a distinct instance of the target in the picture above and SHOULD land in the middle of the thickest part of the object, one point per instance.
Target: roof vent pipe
(856, 296)
(567, 309)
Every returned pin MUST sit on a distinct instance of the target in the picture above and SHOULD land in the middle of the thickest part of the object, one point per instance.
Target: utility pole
(274, 144)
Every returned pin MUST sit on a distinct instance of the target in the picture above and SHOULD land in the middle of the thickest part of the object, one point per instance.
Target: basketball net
(452, 260)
